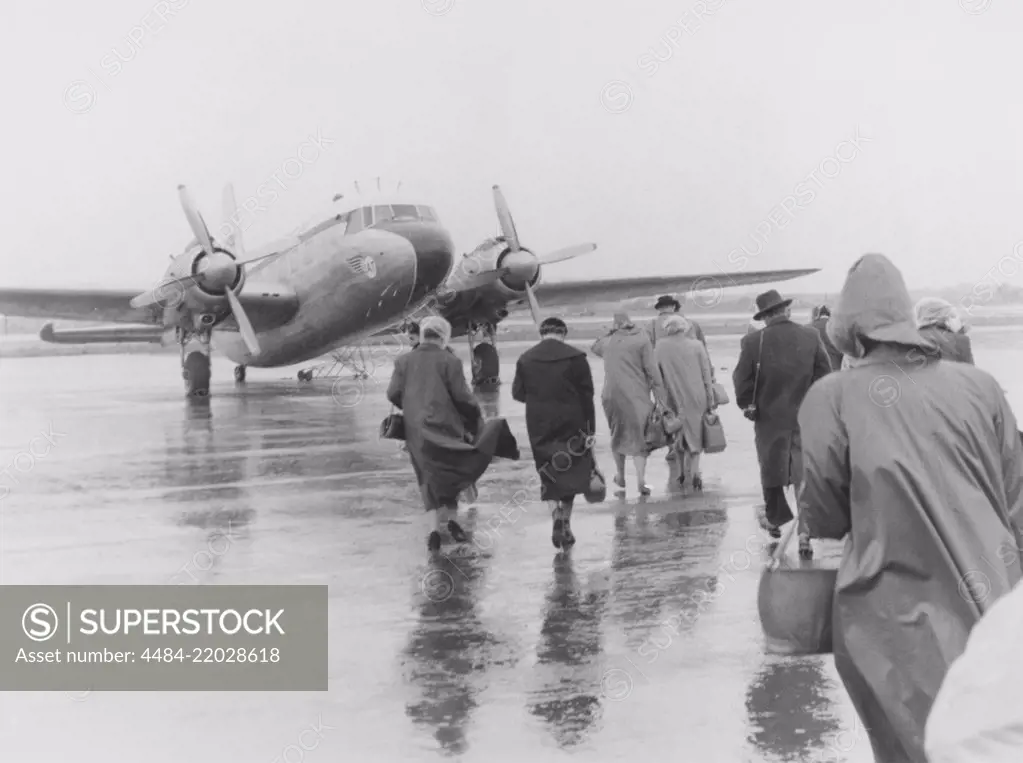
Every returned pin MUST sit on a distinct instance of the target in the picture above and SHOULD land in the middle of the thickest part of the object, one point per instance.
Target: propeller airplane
(360, 270)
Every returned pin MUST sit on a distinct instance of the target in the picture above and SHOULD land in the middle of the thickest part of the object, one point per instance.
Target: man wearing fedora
(777, 364)
(667, 306)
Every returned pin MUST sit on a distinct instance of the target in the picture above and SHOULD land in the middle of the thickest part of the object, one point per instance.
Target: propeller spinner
(519, 268)
(217, 271)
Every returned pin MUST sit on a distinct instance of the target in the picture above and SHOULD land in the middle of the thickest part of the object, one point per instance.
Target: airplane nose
(435, 252)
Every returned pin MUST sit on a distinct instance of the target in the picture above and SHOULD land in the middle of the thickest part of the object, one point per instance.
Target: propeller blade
(248, 334)
(230, 221)
(534, 307)
(505, 218)
(567, 253)
(195, 221)
(168, 293)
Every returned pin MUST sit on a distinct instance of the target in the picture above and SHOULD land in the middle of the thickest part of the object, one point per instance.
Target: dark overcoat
(834, 354)
(950, 344)
(448, 443)
(792, 359)
(554, 380)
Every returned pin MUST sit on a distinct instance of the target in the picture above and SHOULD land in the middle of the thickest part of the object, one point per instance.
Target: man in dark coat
(449, 445)
(819, 320)
(790, 358)
(554, 380)
(667, 306)
(486, 364)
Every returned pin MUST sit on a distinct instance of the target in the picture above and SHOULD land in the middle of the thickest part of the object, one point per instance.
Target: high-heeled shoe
(645, 490)
(433, 542)
(457, 533)
(620, 483)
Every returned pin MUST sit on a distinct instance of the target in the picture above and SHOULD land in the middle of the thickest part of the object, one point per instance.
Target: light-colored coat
(631, 376)
(919, 463)
(685, 369)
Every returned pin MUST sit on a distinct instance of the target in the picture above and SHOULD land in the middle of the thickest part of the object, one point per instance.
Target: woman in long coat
(938, 322)
(685, 368)
(449, 445)
(631, 377)
(919, 462)
(554, 380)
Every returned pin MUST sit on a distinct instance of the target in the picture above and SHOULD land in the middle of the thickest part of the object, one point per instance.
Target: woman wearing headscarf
(919, 463)
(444, 426)
(939, 322)
(632, 383)
(685, 369)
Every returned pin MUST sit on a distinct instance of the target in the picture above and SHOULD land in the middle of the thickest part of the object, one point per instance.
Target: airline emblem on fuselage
(363, 265)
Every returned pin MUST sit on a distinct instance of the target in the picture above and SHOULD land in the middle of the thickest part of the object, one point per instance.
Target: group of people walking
(927, 489)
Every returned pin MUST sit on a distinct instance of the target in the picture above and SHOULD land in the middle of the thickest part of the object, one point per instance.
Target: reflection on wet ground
(643, 641)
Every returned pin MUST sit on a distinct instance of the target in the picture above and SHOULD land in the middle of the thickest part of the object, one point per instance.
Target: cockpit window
(382, 213)
(355, 221)
(425, 213)
(405, 210)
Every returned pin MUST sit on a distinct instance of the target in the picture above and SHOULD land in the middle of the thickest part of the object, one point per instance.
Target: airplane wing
(107, 305)
(568, 293)
(267, 305)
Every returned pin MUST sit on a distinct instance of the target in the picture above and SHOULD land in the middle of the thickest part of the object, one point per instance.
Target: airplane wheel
(239, 373)
(305, 375)
(197, 374)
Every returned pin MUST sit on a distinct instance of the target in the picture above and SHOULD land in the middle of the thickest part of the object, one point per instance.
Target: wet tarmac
(504, 650)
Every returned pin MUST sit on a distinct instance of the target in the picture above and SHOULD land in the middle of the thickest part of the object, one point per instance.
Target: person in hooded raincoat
(976, 717)
(448, 443)
(631, 379)
(918, 461)
(554, 380)
(939, 322)
(685, 369)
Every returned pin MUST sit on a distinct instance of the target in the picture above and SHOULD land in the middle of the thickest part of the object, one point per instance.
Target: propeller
(218, 270)
(520, 267)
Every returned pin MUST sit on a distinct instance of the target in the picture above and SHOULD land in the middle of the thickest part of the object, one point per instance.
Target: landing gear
(196, 372)
(306, 375)
(195, 362)
(486, 362)
(239, 374)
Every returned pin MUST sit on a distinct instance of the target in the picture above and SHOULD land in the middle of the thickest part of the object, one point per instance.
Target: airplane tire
(239, 373)
(197, 374)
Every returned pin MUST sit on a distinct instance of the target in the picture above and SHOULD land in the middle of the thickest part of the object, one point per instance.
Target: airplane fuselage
(347, 286)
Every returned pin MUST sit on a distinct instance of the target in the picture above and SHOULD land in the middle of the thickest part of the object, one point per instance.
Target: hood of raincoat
(874, 304)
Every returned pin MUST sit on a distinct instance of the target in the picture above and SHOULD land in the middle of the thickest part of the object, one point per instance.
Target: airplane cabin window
(405, 210)
(382, 213)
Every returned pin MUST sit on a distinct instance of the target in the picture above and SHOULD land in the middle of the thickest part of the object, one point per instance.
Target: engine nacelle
(494, 254)
(208, 295)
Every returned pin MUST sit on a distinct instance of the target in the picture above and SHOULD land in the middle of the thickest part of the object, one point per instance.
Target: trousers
(777, 509)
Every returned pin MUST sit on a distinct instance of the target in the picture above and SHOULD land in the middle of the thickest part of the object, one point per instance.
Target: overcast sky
(669, 165)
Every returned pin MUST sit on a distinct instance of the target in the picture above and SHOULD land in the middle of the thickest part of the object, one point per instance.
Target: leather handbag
(796, 604)
(720, 393)
(713, 433)
(393, 426)
(672, 423)
(654, 433)
(597, 490)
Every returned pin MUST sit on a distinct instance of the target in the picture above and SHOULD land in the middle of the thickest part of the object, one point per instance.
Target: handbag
(795, 604)
(750, 411)
(672, 424)
(597, 490)
(720, 393)
(713, 433)
(393, 425)
(653, 432)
